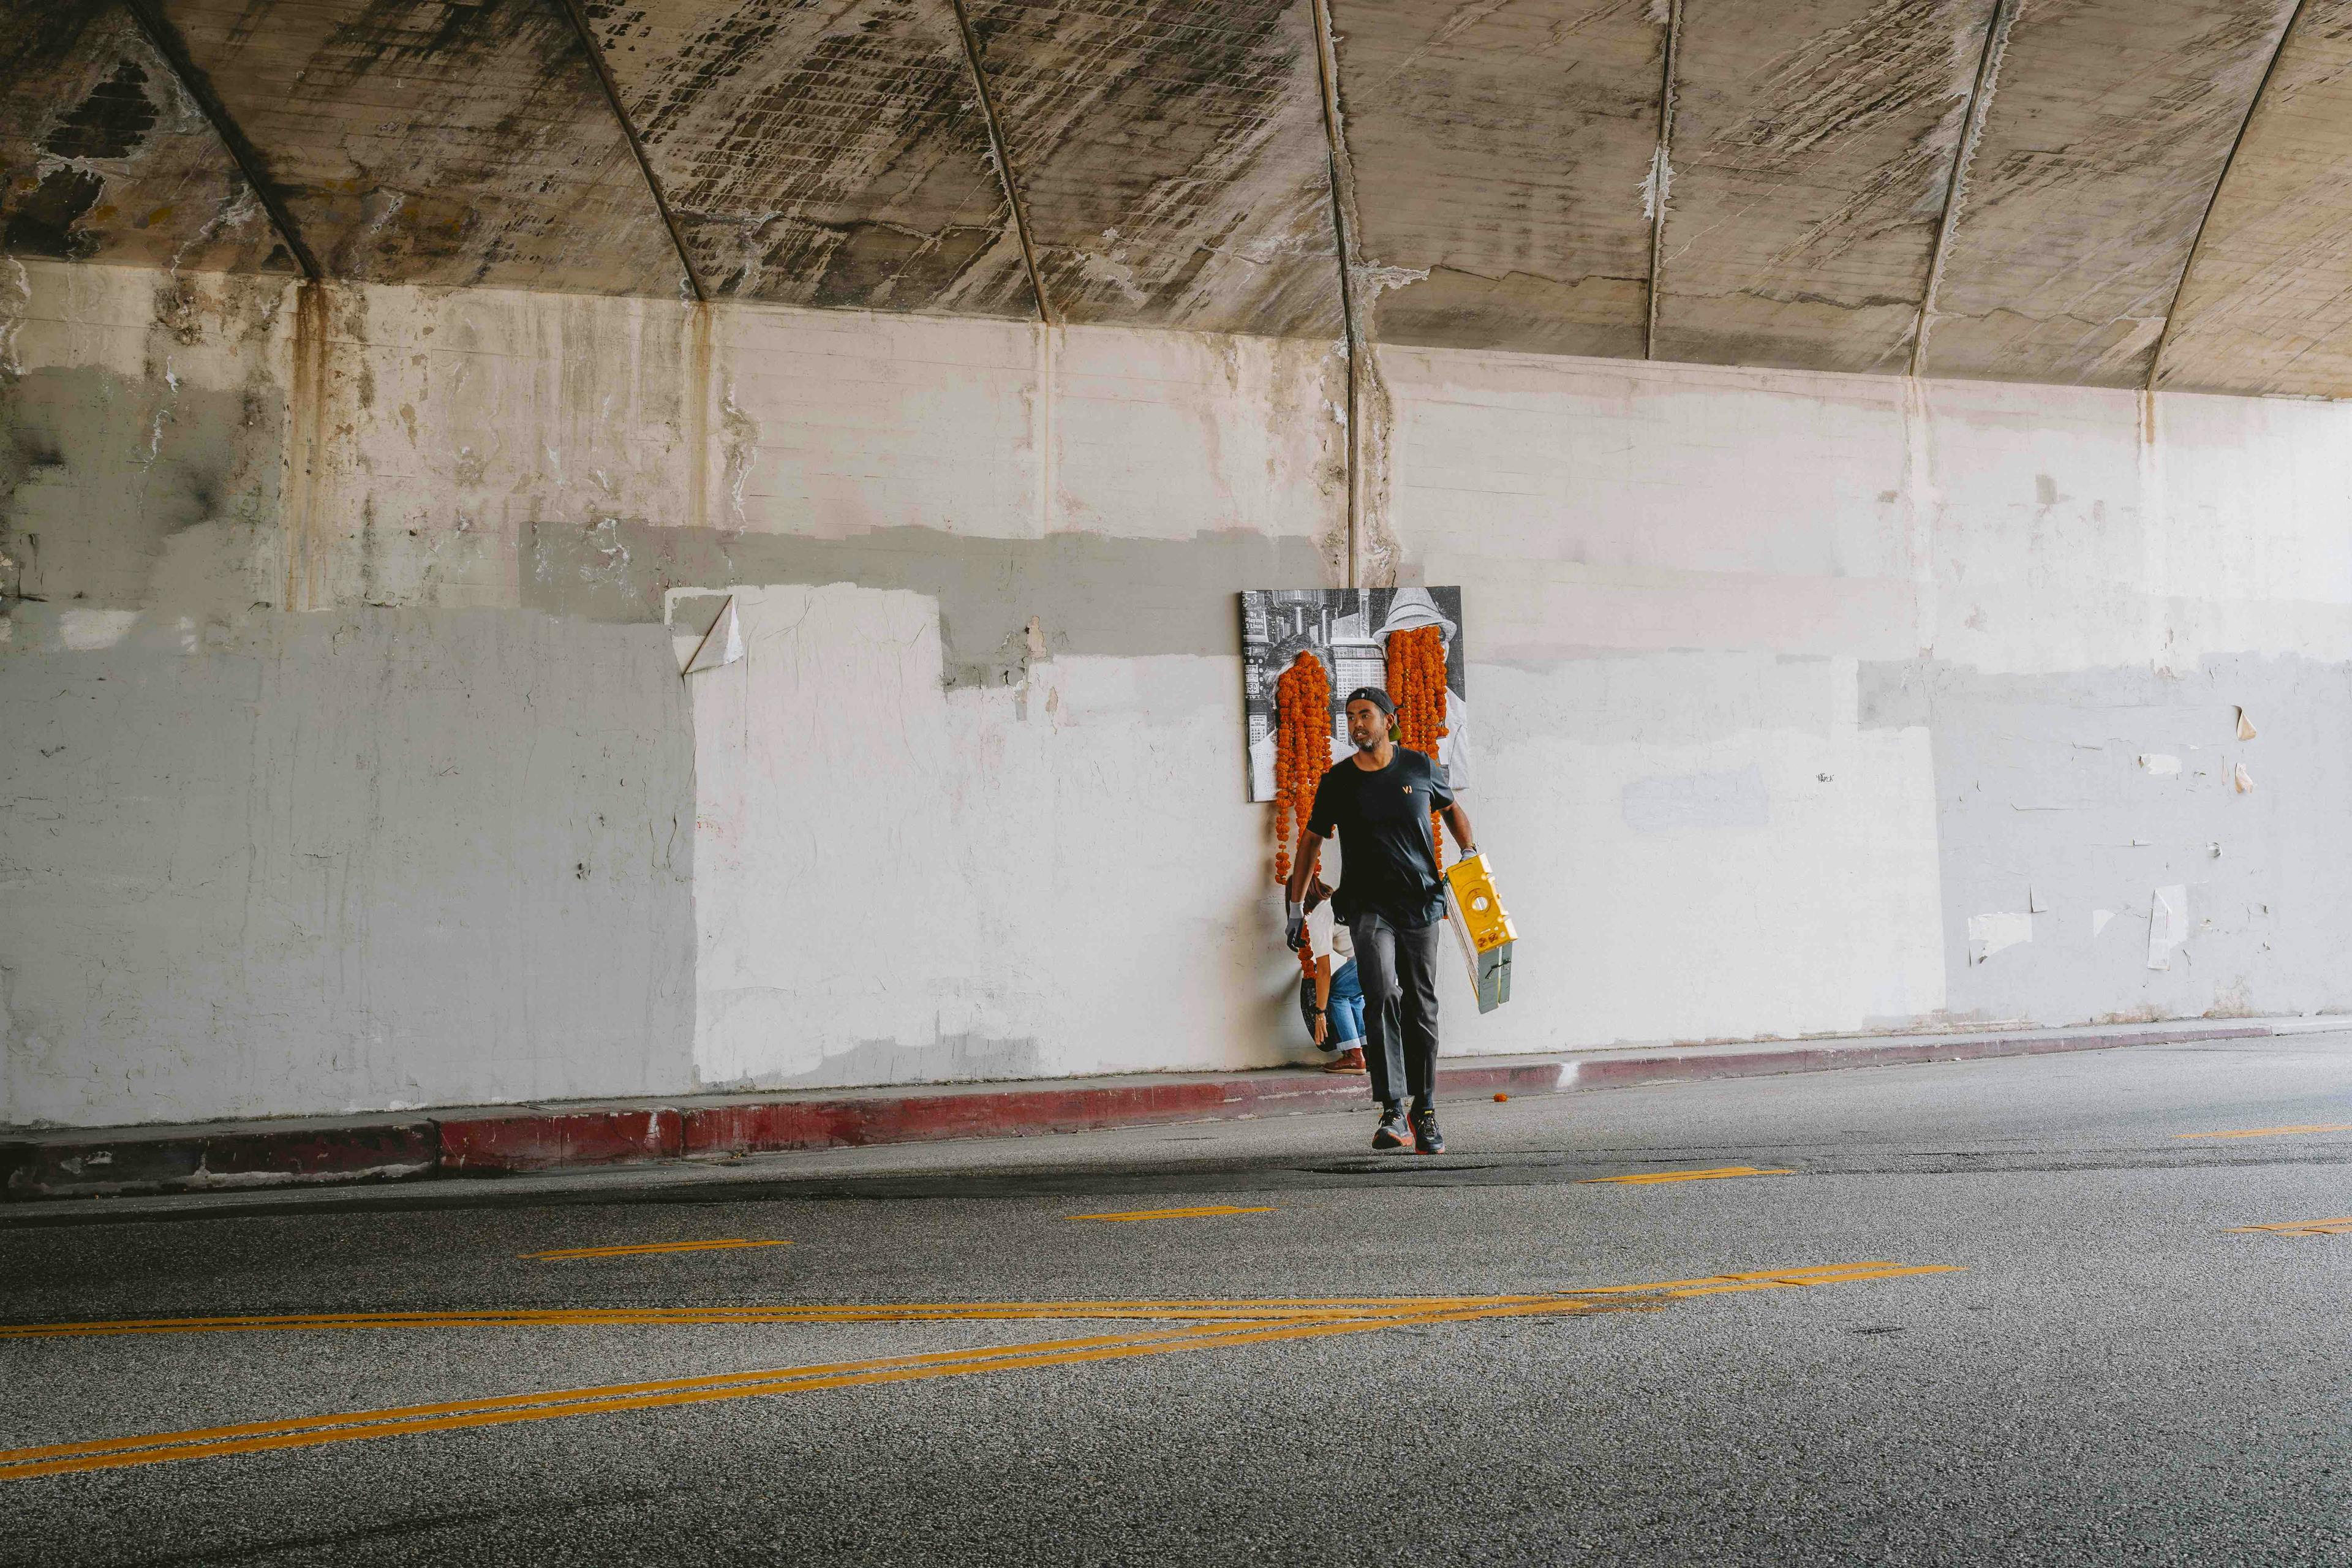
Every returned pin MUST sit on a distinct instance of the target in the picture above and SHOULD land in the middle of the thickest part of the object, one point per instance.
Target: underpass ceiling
(1813, 148)
(2098, 191)
(2107, 128)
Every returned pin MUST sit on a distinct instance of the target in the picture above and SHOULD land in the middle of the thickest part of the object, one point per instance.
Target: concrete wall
(349, 763)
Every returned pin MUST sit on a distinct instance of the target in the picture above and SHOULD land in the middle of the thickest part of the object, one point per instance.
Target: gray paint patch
(1670, 801)
(1090, 594)
(353, 861)
(2042, 805)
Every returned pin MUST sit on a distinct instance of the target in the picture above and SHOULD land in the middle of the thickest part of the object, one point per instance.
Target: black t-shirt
(1388, 865)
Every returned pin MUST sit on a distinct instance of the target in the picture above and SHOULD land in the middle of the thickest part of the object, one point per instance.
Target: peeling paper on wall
(722, 644)
(2099, 919)
(2240, 780)
(2159, 765)
(2245, 726)
(1988, 934)
(2168, 924)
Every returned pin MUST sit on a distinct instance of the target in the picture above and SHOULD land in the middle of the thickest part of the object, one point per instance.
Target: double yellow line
(1210, 1325)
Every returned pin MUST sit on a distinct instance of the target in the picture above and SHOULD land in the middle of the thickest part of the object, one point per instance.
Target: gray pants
(1398, 967)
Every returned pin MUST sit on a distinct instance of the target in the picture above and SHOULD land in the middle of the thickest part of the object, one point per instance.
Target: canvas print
(1348, 629)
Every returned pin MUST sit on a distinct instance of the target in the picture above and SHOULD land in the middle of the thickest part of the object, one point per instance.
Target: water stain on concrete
(103, 479)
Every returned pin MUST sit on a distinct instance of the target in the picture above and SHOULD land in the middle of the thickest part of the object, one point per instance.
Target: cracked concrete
(418, 142)
(1173, 165)
(1501, 149)
(2267, 307)
(2106, 133)
(1812, 149)
(107, 157)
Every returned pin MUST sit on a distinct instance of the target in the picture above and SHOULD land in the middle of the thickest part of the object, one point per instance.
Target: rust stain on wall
(2267, 306)
(830, 155)
(2106, 132)
(1172, 158)
(424, 142)
(1813, 145)
(107, 159)
(1500, 150)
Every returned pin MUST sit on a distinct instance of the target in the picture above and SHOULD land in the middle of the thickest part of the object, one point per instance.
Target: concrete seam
(996, 144)
(1340, 173)
(2004, 12)
(579, 16)
(1661, 169)
(2188, 265)
(166, 41)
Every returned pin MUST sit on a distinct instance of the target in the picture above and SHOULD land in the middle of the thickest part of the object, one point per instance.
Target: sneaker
(1391, 1133)
(1346, 1062)
(1426, 1138)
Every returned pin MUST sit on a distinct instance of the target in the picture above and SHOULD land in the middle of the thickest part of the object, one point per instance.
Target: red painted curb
(545, 1139)
(768, 1126)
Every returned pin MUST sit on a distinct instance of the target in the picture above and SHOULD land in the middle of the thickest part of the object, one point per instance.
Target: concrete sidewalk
(512, 1139)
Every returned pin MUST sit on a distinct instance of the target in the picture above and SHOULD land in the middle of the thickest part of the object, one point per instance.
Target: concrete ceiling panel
(436, 143)
(1501, 152)
(1813, 144)
(2108, 127)
(2267, 306)
(108, 159)
(831, 153)
(1171, 159)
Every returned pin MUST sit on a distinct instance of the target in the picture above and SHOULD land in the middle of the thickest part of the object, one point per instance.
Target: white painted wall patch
(1987, 934)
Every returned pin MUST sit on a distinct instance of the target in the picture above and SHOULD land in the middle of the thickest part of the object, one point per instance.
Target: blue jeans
(1346, 1010)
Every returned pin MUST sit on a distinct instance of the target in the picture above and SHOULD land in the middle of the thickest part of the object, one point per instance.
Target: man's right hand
(1294, 925)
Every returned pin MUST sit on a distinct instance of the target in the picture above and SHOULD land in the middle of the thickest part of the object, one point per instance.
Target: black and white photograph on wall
(1348, 629)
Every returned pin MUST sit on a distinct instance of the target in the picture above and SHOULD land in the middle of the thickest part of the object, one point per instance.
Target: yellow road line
(1241, 1310)
(727, 1243)
(2302, 1227)
(1718, 1174)
(1205, 1213)
(2272, 1131)
(216, 1442)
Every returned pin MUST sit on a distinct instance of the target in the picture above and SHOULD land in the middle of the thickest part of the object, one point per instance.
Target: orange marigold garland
(1302, 751)
(1417, 686)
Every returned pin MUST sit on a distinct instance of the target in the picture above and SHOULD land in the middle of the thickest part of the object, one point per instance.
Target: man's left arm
(1459, 821)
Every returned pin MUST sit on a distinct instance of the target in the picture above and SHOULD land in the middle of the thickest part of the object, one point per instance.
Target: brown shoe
(1346, 1062)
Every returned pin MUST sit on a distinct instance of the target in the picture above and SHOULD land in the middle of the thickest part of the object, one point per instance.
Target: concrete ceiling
(2110, 193)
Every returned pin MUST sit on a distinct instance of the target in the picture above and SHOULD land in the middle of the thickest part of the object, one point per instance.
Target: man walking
(1378, 802)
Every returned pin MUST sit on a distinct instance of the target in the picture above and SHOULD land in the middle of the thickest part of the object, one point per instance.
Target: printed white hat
(1413, 607)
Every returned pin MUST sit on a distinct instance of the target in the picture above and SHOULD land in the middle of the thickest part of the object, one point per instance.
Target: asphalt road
(2061, 1350)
